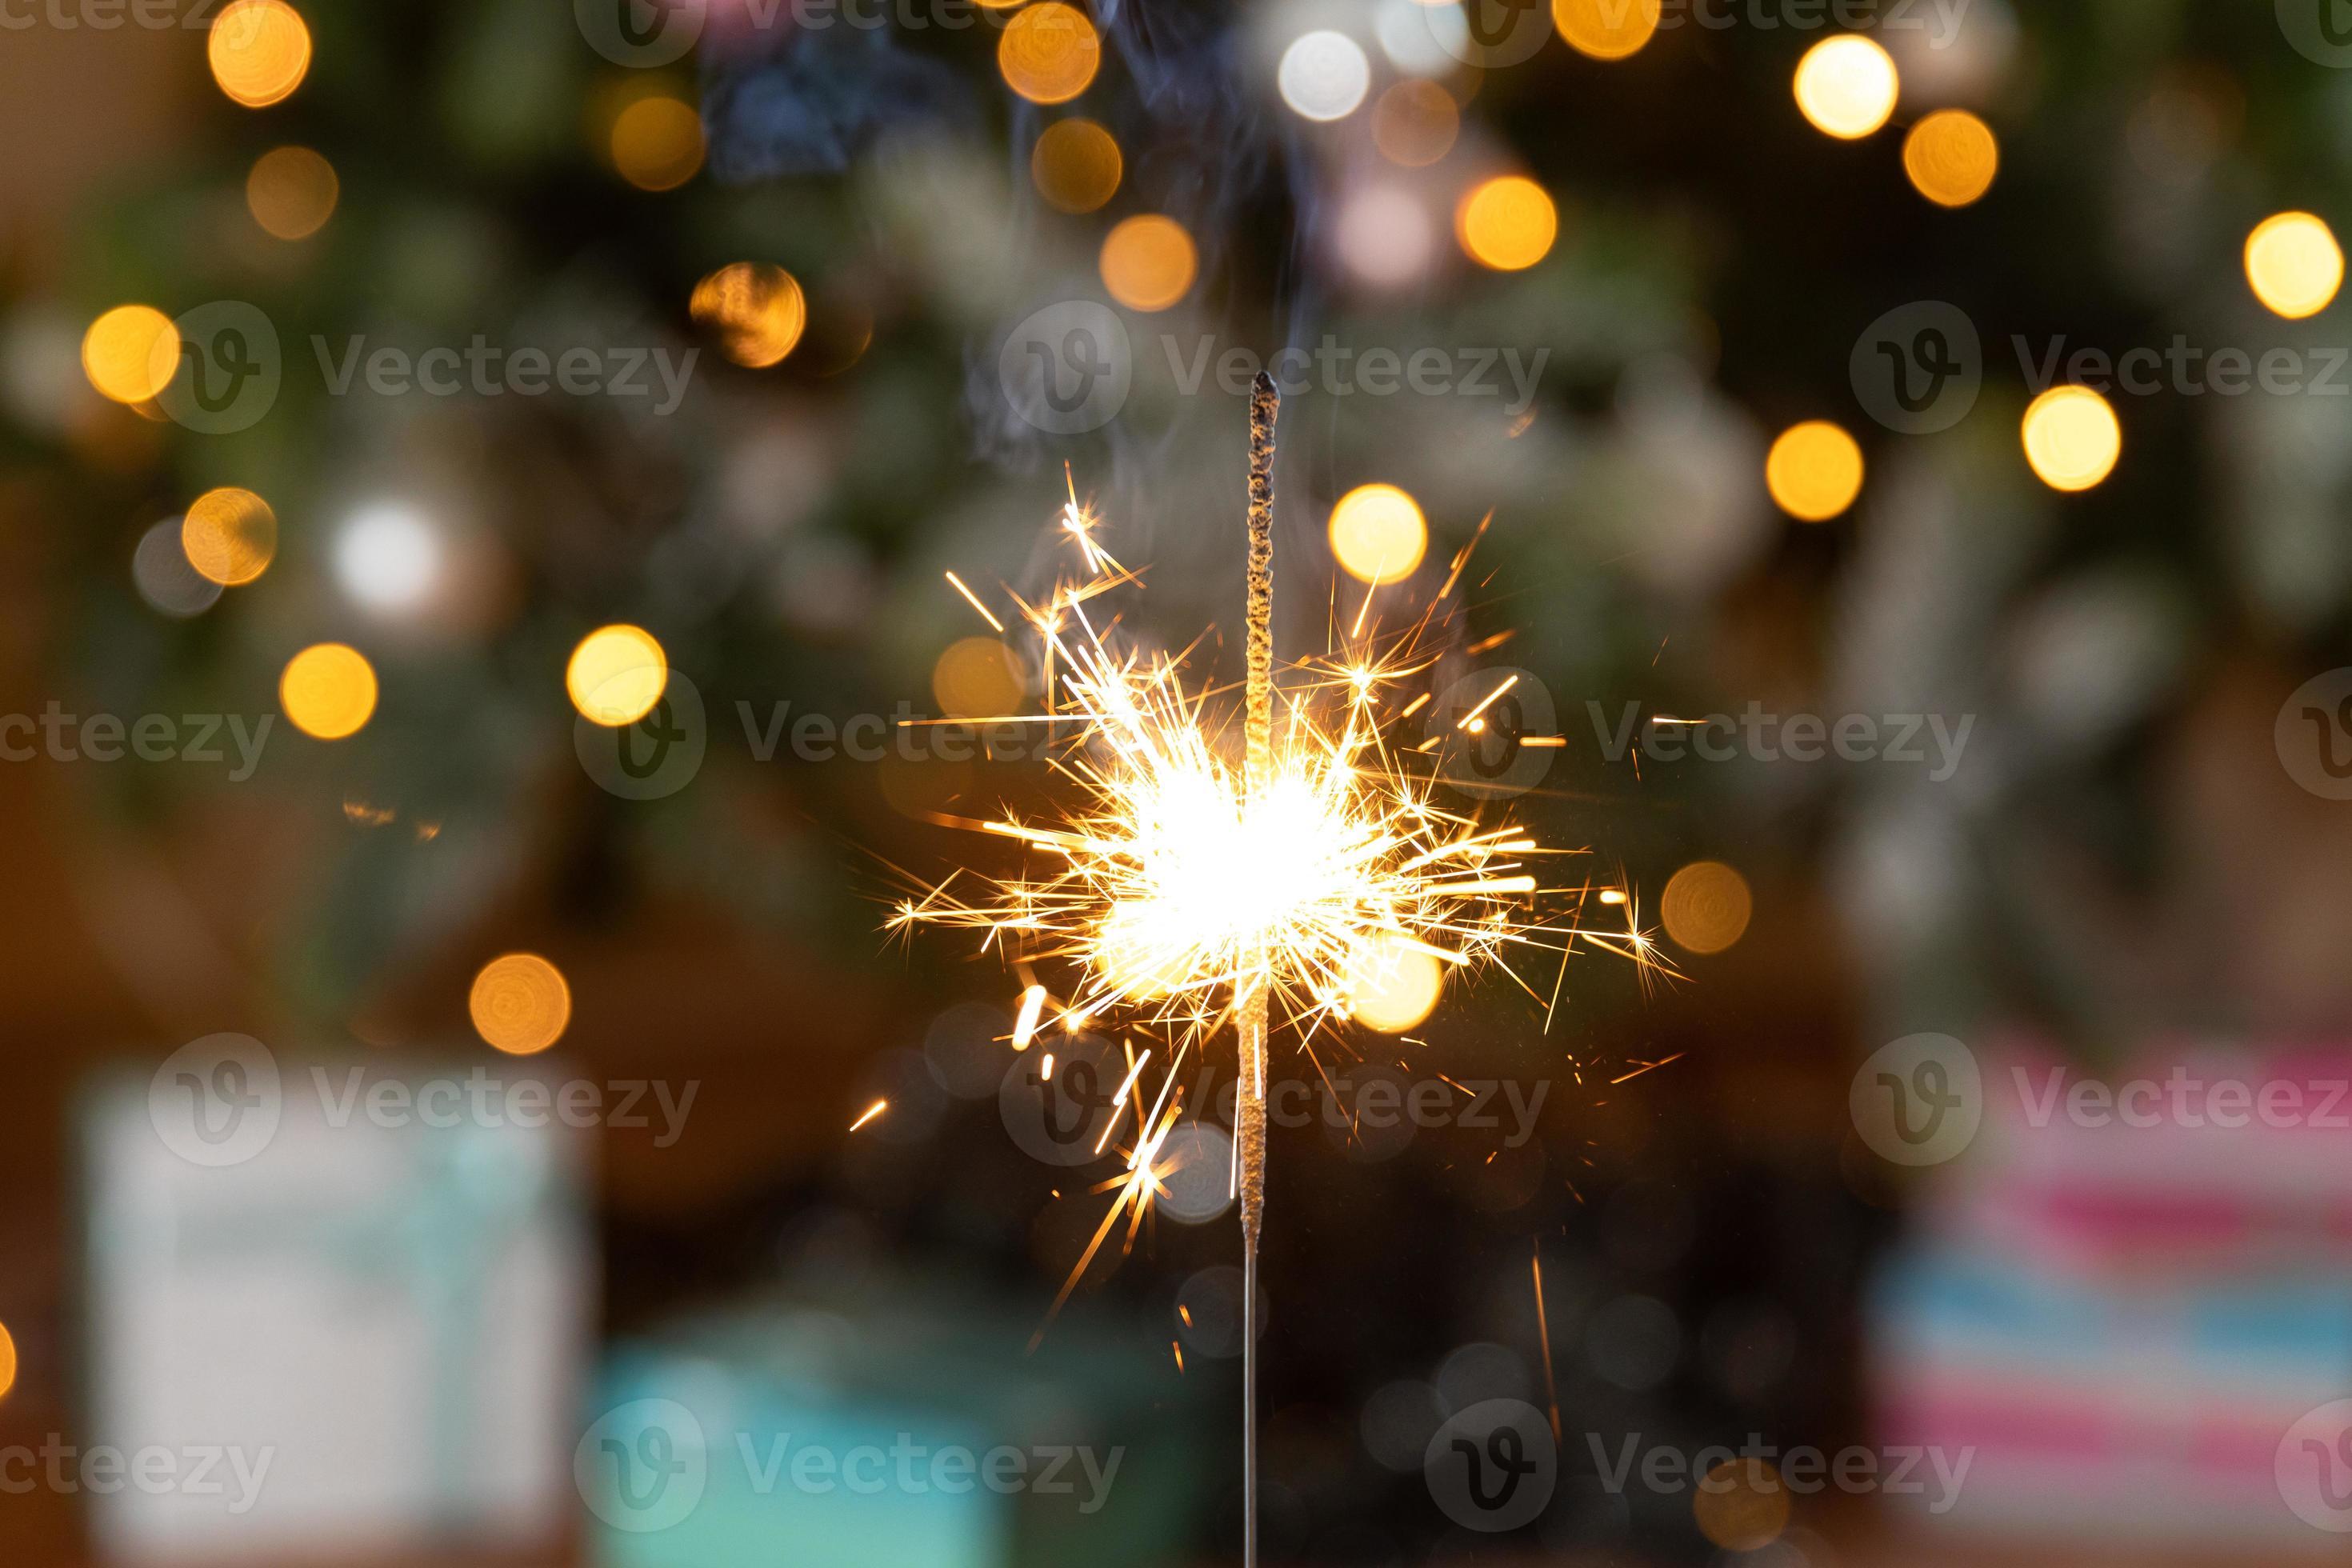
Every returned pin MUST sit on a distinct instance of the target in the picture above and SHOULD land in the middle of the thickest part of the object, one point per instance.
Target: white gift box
(322, 1322)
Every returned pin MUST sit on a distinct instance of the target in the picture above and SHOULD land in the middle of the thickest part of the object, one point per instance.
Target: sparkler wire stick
(1250, 1003)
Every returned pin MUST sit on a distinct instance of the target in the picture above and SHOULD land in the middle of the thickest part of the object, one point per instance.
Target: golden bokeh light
(755, 308)
(657, 143)
(327, 691)
(260, 52)
(1741, 1505)
(292, 192)
(2294, 264)
(1049, 53)
(977, 677)
(1396, 988)
(230, 536)
(617, 675)
(1076, 165)
(1147, 261)
(1508, 223)
(1847, 86)
(131, 352)
(7, 1361)
(519, 1004)
(1706, 907)
(1951, 157)
(2071, 437)
(1606, 29)
(1379, 534)
(1813, 471)
(1415, 123)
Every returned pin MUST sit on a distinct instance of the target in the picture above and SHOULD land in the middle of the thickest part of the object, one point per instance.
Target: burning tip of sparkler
(872, 1110)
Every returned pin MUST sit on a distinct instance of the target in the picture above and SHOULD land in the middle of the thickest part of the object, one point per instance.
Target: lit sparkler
(1178, 891)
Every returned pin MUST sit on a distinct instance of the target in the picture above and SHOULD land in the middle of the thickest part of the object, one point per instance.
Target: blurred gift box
(2126, 1293)
(336, 1311)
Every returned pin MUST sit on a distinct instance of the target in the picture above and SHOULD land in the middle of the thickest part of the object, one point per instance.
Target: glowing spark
(974, 600)
(872, 1110)
(1469, 719)
(1025, 1027)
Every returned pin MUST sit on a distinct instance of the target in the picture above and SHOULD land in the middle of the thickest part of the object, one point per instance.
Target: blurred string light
(292, 192)
(2071, 437)
(1606, 29)
(1813, 471)
(1148, 261)
(1847, 86)
(1385, 236)
(1396, 987)
(2294, 264)
(1706, 907)
(1415, 123)
(657, 143)
(1951, 157)
(260, 51)
(327, 691)
(1379, 534)
(617, 675)
(1076, 165)
(230, 535)
(1049, 53)
(757, 309)
(160, 572)
(519, 1004)
(1506, 223)
(1424, 40)
(131, 352)
(977, 677)
(1324, 76)
(389, 558)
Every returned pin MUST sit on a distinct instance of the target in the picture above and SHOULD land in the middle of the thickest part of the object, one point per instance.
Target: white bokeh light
(1324, 75)
(1385, 237)
(389, 558)
(164, 578)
